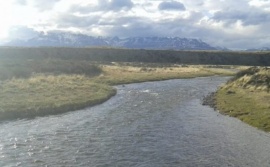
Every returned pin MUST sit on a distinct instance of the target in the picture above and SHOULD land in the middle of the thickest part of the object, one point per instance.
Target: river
(152, 124)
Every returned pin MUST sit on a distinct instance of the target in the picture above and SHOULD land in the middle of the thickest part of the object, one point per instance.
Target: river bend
(152, 124)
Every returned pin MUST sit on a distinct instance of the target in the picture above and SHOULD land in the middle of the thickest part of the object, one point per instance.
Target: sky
(235, 24)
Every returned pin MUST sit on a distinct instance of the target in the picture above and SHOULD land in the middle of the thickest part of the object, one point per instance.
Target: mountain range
(57, 39)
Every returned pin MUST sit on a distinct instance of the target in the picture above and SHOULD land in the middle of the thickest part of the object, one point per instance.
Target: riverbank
(61, 90)
(246, 97)
(42, 95)
(148, 124)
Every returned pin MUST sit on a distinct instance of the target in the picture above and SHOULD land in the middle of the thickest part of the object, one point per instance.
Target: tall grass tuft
(247, 97)
(252, 78)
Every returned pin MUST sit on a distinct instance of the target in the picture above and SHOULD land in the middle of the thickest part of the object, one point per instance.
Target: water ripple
(153, 124)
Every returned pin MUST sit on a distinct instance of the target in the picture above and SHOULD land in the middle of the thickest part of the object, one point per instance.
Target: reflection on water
(152, 124)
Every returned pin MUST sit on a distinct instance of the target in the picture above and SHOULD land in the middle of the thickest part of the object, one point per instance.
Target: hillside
(138, 55)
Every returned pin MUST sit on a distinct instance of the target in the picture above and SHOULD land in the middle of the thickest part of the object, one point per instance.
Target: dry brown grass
(128, 74)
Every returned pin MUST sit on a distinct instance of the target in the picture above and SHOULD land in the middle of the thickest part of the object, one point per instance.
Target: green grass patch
(41, 95)
(246, 97)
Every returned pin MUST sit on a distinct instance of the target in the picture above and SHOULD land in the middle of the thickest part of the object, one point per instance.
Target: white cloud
(259, 3)
(228, 23)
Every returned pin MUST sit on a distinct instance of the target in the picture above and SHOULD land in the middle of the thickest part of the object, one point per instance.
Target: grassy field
(247, 97)
(30, 88)
(123, 74)
(41, 95)
(35, 88)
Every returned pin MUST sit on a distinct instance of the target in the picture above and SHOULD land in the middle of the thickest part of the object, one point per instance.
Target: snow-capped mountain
(80, 40)
(175, 43)
(60, 39)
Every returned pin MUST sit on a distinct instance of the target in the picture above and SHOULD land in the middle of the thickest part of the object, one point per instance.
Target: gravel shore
(210, 100)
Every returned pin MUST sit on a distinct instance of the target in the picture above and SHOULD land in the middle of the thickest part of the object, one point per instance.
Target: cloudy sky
(234, 24)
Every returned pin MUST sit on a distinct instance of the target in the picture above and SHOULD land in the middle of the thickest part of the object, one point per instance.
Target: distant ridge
(259, 49)
(80, 40)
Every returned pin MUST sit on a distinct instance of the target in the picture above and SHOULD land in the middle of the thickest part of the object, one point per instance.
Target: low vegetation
(138, 55)
(122, 74)
(16, 68)
(41, 95)
(246, 96)
(41, 81)
(39, 87)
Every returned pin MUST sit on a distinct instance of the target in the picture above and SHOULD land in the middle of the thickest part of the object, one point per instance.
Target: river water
(152, 124)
